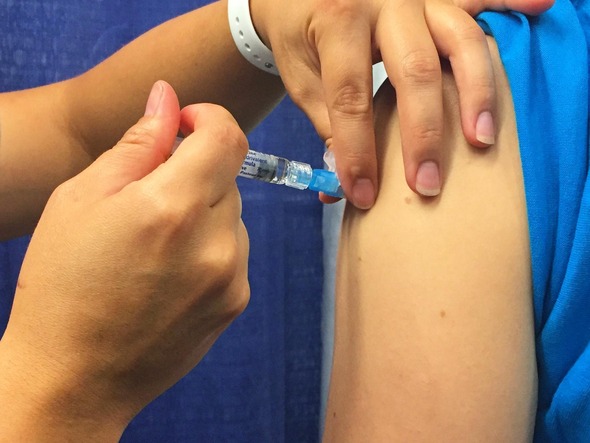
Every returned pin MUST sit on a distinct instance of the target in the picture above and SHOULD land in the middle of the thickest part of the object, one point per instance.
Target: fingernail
(154, 100)
(485, 131)
(363, 193)
(428, 179)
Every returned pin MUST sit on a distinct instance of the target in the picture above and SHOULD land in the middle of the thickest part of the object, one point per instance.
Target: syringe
(298, 175)
(278, 170)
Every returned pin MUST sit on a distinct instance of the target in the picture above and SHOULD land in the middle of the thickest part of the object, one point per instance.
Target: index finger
(344, 47)
(209, 158)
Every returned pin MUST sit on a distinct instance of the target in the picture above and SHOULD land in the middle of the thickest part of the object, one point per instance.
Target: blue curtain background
(261, 381)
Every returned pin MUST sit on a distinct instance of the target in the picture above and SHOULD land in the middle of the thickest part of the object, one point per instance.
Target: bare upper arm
(434, 327)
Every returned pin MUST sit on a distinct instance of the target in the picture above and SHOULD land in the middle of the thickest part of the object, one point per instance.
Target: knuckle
(343, 9)
(479, 88)
(301, 94)
(468, 31)
(427, 137)
(240, 297)
(420, 68)
(215, 109)
(223, 260)
(483, 81)
(233, 269)
(138, 135)
(229, 136)
(485, 88)
(352, 100)
(159, 214)
(356, 160)
(227, 285)
(67, 191)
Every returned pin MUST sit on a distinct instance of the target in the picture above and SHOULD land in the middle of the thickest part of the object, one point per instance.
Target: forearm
(195, 53)
(49, 134)
(38, 407)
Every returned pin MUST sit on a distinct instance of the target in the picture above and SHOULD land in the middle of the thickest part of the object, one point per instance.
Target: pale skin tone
(97, 333)
(70, 133)
(434, 326)
(331, 80)
(83, 353)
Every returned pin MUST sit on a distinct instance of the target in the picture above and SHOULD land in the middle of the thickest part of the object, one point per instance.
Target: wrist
(35, 405)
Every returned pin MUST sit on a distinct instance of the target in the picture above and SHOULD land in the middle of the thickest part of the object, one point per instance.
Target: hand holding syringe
(280, 171)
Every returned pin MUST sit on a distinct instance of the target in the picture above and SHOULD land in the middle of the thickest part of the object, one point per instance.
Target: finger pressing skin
(458, 38)
(305, 89)
(413, 65)
(344, 46)
(209, 159)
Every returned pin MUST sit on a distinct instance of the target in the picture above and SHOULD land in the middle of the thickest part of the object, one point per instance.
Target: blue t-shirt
(546, 60)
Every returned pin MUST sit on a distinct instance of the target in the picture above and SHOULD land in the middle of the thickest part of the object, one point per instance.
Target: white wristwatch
(246, 39)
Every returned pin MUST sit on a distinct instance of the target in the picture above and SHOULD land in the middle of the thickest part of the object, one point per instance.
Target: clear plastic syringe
(298, 175)
(278, 170)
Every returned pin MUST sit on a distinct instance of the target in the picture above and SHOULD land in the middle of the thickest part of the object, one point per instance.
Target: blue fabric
(546, 61)
(261, 381)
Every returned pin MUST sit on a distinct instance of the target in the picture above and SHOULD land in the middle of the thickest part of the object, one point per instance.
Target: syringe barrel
(264, 167)
(278, 170)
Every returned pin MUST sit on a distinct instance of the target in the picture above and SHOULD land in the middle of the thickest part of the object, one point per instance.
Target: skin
(434, 332)
(71, 133)
(129, 269)
(96, 335)
(320, 70)
(329, 77)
